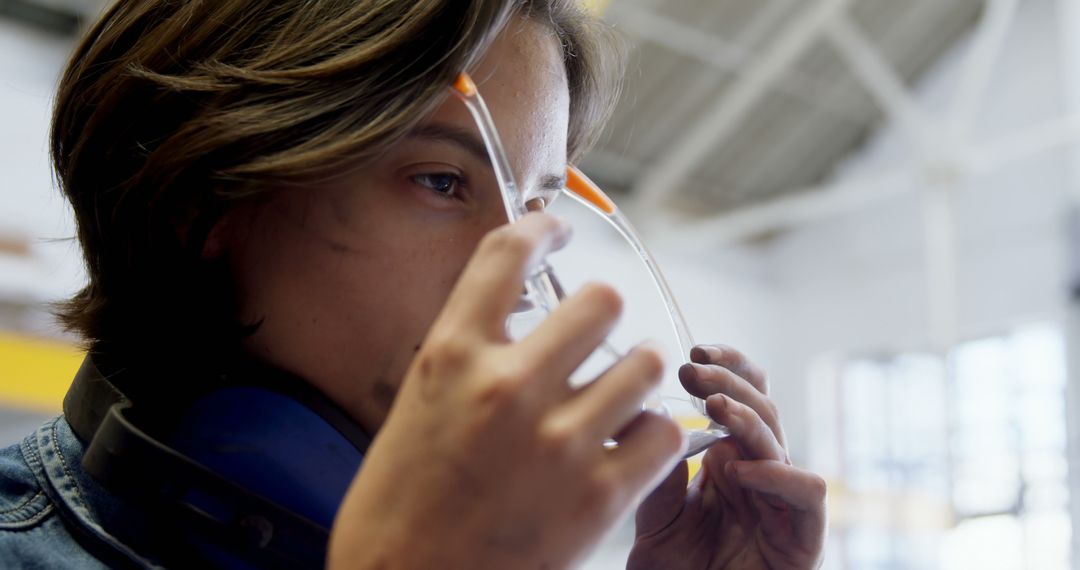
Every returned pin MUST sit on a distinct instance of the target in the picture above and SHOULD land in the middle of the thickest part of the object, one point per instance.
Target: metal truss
(941, 146)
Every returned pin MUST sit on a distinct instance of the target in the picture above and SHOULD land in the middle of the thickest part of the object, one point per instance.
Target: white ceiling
(730, 103)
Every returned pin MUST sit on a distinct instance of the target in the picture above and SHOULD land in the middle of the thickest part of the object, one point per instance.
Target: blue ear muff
(273, 446)
(242, 470)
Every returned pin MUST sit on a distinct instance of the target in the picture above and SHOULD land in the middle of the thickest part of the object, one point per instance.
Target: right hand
(489, 458)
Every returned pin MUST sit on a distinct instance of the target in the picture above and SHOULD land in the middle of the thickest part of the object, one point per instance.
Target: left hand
(748, 507)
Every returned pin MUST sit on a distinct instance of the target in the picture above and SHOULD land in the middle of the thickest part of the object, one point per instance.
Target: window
(950, 462)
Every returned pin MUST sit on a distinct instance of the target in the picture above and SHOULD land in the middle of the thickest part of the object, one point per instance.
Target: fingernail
(699, 368)
(731, 470)
(699, 355)
(720, 405)
(536, 205)
(687, 372)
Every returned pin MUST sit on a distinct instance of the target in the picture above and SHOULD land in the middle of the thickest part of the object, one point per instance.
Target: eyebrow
(475, 146)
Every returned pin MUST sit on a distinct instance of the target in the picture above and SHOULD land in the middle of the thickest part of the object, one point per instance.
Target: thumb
(660, 508)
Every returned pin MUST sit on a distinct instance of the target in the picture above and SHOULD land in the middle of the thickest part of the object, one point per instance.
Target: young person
(295, 244)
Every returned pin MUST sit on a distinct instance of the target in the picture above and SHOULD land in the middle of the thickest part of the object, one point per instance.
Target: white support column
(719, 122)
(939, 247)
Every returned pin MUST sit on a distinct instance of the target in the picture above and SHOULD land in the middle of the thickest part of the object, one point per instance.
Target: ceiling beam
(721, 120)
(766, 18)
(732, 57)
(815, 203)
(975, 75)
(881, 80)
(654, 28)
(621, 170)
(801, 207)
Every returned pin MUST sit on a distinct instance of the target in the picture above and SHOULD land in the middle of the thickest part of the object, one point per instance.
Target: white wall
(857, 282)
(30, 206)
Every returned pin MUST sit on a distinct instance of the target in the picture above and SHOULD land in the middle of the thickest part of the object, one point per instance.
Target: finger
(719, 494)
(802, 495)
(573, 331)
(733, 360)
(649, 447)
(752, 434)
(491, 284)
(664, 503)
(613, 400)
(704, 380)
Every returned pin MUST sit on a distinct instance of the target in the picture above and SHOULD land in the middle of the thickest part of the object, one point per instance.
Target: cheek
(319, 302)
(423, 277)
(345, 303)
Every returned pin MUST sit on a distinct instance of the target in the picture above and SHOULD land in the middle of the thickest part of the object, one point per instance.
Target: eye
(445, 184)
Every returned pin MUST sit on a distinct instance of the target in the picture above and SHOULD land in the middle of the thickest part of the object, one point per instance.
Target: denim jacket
(54, 515)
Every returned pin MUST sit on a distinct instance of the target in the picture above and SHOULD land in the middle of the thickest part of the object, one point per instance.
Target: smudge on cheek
(383, 393)
(339, 247)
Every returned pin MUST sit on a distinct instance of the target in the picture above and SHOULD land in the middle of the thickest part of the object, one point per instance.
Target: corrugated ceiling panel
(797, 133)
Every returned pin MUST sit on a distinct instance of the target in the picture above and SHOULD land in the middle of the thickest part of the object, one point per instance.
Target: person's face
(346, 277)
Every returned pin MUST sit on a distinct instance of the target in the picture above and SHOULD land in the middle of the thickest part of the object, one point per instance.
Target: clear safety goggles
(543, 287)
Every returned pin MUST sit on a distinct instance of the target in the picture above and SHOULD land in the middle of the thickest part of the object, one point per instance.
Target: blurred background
(875, 199)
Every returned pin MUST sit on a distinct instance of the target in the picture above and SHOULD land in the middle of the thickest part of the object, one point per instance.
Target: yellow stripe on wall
(35, 373)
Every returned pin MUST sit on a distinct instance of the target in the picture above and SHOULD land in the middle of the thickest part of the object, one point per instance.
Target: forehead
(524, 64)
(523, 81)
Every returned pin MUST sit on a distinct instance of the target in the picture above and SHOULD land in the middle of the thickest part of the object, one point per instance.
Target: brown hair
(172, 112)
